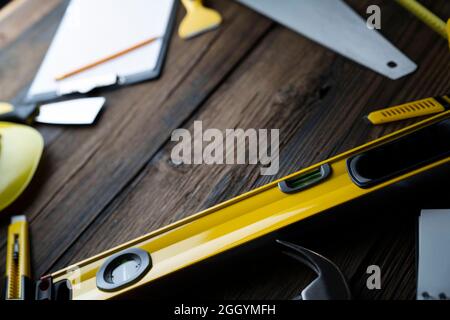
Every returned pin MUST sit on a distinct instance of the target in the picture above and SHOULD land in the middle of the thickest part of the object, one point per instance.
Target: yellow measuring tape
(428, 17)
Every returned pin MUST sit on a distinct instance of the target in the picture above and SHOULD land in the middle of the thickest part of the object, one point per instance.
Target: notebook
(91, 30)
(434, 255)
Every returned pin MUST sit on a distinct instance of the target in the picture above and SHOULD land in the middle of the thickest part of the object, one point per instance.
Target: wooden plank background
(102, 185)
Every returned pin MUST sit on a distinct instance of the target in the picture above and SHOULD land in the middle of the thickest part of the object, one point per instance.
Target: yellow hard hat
(20, 151)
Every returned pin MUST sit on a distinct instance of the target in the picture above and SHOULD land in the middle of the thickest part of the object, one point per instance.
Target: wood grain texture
(100, 186)
(294, 96)
(20, 15)
(134, 127)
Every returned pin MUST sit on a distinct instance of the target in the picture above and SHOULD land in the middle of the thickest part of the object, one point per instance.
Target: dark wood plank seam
(198, 59)
(126, 188)
(236, 59)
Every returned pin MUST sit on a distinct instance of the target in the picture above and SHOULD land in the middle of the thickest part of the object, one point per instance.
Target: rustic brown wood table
(100, 186)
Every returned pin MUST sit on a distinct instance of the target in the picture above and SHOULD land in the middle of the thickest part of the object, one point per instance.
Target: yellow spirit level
(394, 161)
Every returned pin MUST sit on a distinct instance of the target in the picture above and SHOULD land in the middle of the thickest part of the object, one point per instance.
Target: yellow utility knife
(18, 271)
(410, 110)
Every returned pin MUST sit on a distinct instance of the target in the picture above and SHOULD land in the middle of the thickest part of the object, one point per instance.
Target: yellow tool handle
(428, 17)
(18, 270)
(6, 108)
(198, 19)
(192, 4)
(409, 110)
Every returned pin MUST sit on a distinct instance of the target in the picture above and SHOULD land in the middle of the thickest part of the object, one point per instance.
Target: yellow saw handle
(198, 19)
(410, 110)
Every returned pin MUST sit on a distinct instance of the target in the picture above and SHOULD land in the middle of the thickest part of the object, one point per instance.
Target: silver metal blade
(72, 112)
(333, 24)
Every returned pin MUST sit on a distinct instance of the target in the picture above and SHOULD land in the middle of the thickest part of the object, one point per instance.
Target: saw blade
(333, 24)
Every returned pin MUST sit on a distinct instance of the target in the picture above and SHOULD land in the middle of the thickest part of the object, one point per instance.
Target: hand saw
(396, 162)
(333, 24)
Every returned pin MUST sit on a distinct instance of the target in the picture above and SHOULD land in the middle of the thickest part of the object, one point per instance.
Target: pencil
(105, 59)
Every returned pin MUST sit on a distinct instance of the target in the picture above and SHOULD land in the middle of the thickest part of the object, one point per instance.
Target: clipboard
(91, 30)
